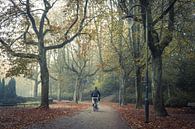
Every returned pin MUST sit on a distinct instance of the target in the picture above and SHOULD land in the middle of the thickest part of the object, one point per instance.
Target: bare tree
(79, 60)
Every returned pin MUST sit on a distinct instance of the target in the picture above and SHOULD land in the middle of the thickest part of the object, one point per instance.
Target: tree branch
(92, 74)
(53, 77)
(123, 6)
(169, 35)
(164, 13)
(75, 35)
(13, 53)
(31, 18)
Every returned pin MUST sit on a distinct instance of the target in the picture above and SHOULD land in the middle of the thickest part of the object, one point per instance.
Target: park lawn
(179, 118)
(20, 117)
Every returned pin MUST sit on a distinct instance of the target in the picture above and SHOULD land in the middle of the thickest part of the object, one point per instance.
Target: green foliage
(185, 80)
(109, 86)
(130, 98)
(179, 70)
(20, 66)
(86, 95)
(178, 99)
(176, 102)
(64, 96)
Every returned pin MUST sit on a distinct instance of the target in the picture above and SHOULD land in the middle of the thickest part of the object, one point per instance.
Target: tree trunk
(122, 91)
(168, 90)
(76, 91)
(44, 79)
(35, 88)
(50, 89)
(157, 87)
(157, 47)
(80, 92)
(59, 90)
(138, 87)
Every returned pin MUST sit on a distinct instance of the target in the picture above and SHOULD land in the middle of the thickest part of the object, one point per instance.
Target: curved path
(105, 118)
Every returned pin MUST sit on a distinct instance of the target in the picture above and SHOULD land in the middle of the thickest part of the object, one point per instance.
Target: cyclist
(95, 96)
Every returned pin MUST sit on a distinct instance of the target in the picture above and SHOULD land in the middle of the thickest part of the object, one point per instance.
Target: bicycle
(95, 103)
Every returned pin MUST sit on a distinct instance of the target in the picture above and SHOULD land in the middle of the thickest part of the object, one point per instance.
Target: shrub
(12, 101)
(131, 99)
(176, 102)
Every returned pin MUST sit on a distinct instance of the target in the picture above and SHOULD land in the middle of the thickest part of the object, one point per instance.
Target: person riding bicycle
(95, 95)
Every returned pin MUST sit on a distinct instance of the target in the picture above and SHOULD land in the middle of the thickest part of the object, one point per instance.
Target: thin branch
(75, 21)
(137, 19)
(123, 6)
(75, 35)
(164, 13)
(92, 74)
(31, 18)
(46, 31)
(74, 60)
(22, 35)
(83, 67)
(13, 53)
(53, 3)
(69, 66)
(53, 77)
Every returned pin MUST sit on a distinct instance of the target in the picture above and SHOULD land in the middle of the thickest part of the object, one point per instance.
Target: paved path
(105, 118)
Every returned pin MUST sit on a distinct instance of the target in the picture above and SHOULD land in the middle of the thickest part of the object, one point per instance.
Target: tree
(25, 11)
(157, 42)
(1, 89)
(157, 45)
(26, 67)
(136, 45)
(8, 91)
(138, 49)
(11, 89)
(118, 59)
(78, 59)
(34, 76)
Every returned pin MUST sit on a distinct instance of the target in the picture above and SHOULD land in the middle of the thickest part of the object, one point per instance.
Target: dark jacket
(95, 93)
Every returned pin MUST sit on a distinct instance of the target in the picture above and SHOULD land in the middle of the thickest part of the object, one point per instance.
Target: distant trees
(2, 88)
(10, 89)
(77, 59)
(8, 92)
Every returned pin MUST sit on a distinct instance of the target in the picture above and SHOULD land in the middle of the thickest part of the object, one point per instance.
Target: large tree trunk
(157, 87)
(44, 79)
(157, 47)
(138, 87)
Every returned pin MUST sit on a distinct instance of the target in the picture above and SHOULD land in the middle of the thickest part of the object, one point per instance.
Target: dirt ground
(105, 118)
